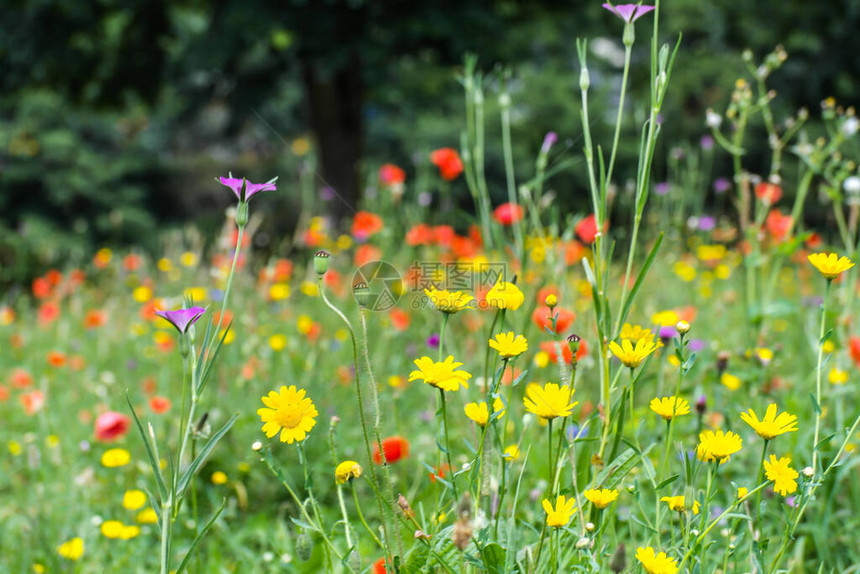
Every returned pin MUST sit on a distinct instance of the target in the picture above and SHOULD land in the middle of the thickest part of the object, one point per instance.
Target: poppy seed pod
(321, 258)
(362, 294)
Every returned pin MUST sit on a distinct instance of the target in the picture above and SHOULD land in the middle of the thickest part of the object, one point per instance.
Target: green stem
(818, 414)
(362, 519)
(448, 444)
(758, 481)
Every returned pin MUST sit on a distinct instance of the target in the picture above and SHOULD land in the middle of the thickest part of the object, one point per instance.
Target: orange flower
(149, 385)
(159, 405)
(390, 174)
(48, 313)
(778, 225)
(56, 359)
(365, 224)
(379, 566)
(4, 394)
(395, 448)
(283, 270)
(131, 262)
(508, 213)
(365, 254)
(854, 349)
(443, 235)
(399, 319)
(421, 234)
(542, 317)
(573, 252)
(77, 363)
(42, 288)
(768, 193)
(32, 401)
(586, 229)
(95, 318)
(20, 379)
(449, 163)
(443, 470)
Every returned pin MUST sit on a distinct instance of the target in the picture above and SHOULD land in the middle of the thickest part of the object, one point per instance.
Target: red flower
(448, 161)
(56, 359)
(365, 224)
(131, 262)
(110, 426)
(390, 174)
(854, 348)
(586, 229)
(542, 317)
(444, 235)
(367, 253)
(399, 319)
(778, 225)
(508, 213)
(421, 234)
(768, 193)
(379, 566)
(32, 402)
(48, 312)
(566, 354)
(573, 252)
(95, 318)
(42, 288)
(443, 470)
(159, 405)
(395, 448)
(20, 379)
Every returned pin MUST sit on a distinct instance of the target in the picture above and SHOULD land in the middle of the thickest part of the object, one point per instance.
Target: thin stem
(448, 444)
(758, 481)
(818, 413)
(362, 519)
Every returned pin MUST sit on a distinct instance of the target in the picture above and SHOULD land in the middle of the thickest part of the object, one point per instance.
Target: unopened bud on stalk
(683, 327)
(584, 79)
(362, 294)
(304, 547)
(242, 214)
(551, 301)
(573, 342)
(321, 258)
(722, 362)
(701, 405)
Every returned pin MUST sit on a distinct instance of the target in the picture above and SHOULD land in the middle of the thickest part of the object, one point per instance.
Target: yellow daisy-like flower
(677, 504)
(601, 497)
(837, 376)
(549, 402)
(509, 345)
(670, 407)
(632, 353)
(771, 425)
(656, 563)
(133, 499)
(147, 516)
(742, 491)
(718, 446)
(448, 301)
(115, 457)
(512, 452)
(504, 295)
(346, 471)
(71, 549)
(112, 529)
(442, 375)
(219, 477)
(831, 265)
(783, 476)
(730, 381)
(561, 514)
(665, 318)
(288, 412)
(129, 532)
(479, 412)
(636, 333)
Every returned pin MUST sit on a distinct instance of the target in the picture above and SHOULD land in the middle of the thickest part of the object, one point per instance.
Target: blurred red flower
(390, 174)
(365, 224)
(159, 405)
(449, 163)
(768, 193)
(542, 317)
(395, 448)
(508, 213)
(111, 426)
(586, 229)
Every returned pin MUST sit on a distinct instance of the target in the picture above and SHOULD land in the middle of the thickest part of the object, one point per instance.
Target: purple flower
(661, 188)
(721, 185)
(244, 189)
(696, 345)
(433, 341)
(182, 318)
(707, 142)
(548, 141)
(628, 12)
(574, 431)
(668, 333)
(707, 223)
(790, 501)
(327, 193)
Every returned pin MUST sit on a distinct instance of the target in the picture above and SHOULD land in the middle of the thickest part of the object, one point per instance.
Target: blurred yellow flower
(718, 446)
(512, 452)
(742, 491)
(304, 324)
(116, 457)
(677, 504)
(448, 301)
(288, 412)
(440, 374)
(71, 549)
(837, 376)
(730, 381)
(309, 289)
(142, 294)
(112, 529)
(670, 407)
(133, 499)
(665, 318)
(188, 259)
(509, 345)
(147, 516)
(601, 497)
(771, 425)
(561, 514)
(541, 359)
(278, 342)
(279, 291)
(504, 295)
(549, 402)
(219, 477)
(14, 447)
(830, 265)
(164, 265)
(346, 471)
(479, 412)
(783, 476)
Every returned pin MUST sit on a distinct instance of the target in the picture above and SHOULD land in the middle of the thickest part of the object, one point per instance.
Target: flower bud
(304, 547)
(256, 446)
(362, 294)
(321, 258)
(683, 327)
(584, 79)
(722, 362)
(629, 34)
(701, 405)
(551, 301)
(242, 214)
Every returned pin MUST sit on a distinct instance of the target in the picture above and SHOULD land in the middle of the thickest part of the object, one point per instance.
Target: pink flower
(629, 12)
(111, 426)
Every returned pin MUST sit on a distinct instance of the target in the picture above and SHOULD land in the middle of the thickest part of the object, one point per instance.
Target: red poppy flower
(365, 224)
(390, 174)
(778, 225)
(421, 234)
(283, 270)
(395, 448)
(42, 288)
(573, 252)
(95, 318)
(768, 193)
(464, 247)
(854, 349)
(444, 235)
(366, 253)
(508, 213)
(542, 317)
(111, 426)
(449, 163)
(814, 241)
(131, 262)
(586, 229)
(379, 566)
(159, 405)
(443, 470)
(56, 358)
(399, 319)
(4, 394)
(32, 402)
(20, 379)
(48, 312)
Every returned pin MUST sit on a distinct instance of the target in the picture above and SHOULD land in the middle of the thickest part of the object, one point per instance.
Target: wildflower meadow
(466, 373)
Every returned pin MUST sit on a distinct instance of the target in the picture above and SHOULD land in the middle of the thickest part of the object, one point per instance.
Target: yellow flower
(550, 301)
(636, 333)
(783, 476)
(831, 265)
(731, 382)
(129, 532)
(561, 514)
(188, 259)
(549, 402)
(279, 291)
(665, 318)
(512, 452)
(632, 355)
(771, 425)
(504, 295)
(670, 407)
(764, 355)
(742, 491)
(147, 516)
(508, 345)
(718, 446)
(479, 412)
(15, 448)
(442, 375)
(71, 549)
(346, 471)
(289, 412)
(112, 529)
(837, 376)
(133, 499)
(115, 457)
(656, 563)
(142, 294)
(448, 301)
(601, 497)
(278, 342)
(676, 504)
(541, 359)
(219, 477)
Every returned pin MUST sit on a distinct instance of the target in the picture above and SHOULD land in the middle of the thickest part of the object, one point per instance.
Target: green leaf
(824, 440)
(304, 525)
(612, 475)
(153, 459)
(640, 278)
(200, 536)
(667, 482)
(211, 361)
(815, 404)
(201, 456)
(494, 556)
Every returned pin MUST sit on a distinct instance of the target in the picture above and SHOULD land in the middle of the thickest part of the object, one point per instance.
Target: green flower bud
(362, 294)
(242, 214)
(304, 547)
(321, 262)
